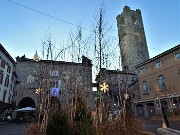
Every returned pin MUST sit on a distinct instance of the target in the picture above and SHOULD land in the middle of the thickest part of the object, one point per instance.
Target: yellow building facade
(159, 80)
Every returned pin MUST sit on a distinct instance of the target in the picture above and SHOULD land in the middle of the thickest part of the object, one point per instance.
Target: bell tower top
(126, 9)
(132, 39)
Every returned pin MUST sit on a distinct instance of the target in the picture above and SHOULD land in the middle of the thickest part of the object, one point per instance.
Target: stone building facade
(68, 78)
(7, 78)
(118, 84)
(158, 79)
(132, 39)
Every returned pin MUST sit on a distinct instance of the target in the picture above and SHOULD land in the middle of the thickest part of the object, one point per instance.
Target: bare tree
(104, 55)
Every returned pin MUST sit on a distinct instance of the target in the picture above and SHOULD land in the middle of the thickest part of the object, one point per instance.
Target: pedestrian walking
(164, 109)
(8, 119)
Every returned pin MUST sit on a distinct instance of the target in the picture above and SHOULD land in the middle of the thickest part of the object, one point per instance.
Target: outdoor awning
(26, 109)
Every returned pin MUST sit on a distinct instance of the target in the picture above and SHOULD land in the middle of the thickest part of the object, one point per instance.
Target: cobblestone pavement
(151, 125)
(12, 129)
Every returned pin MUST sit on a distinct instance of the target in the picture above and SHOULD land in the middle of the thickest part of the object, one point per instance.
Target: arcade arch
(26, 102)
(150, 109)
(140, 110)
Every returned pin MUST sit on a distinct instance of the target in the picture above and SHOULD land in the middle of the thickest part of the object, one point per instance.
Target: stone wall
(67, 76)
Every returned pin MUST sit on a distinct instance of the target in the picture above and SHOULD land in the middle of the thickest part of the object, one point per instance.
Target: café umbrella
(25, 109)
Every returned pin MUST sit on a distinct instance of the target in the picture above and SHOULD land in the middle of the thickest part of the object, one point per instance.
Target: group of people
(12, 116)
(7, 117)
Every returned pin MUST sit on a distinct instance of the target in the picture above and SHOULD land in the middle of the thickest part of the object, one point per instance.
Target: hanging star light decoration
(31, 79)
(38, 90)
(104, 87)
(126, 96)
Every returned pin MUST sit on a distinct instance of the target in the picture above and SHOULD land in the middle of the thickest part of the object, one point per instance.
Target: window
(122, 20)
(158, 64)
(4, 95)
(162, 83)
(137, 38)
(15, 93)
(1, 77)
(177, 56)
(2, 63)
(145, 87)
(55, 84)
(11, 87)
(9, 98)
(8, 69)
(134, 19)
(142, 71)
(7, 81)
(12, 78)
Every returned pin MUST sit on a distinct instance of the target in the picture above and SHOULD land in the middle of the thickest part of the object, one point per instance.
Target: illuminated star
(104, 87)
(126, 96)
(38, 91)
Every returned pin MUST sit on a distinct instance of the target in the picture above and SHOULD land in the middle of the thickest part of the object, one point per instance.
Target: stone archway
(140, 110)
(26, 102)
(150, 109)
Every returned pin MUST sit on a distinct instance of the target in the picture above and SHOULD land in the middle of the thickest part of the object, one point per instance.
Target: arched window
(3, 64)
(122, 21)
(134, 19)
(1, 77)
(4, 95)
(177, 56)
(145, 87)
(162, 83)
(7, 81)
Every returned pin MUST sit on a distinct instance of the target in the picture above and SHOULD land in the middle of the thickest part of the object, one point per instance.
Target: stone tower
(132, 39)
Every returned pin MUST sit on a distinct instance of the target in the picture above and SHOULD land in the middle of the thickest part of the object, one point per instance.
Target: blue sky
(22, 30)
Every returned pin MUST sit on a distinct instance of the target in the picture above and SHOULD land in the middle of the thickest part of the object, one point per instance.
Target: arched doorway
(176, 106)
(150, 109)
(140, 110)
(26, 102)
(26, 115)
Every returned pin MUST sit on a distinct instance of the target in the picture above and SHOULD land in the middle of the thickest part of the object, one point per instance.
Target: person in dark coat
(164, 108)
